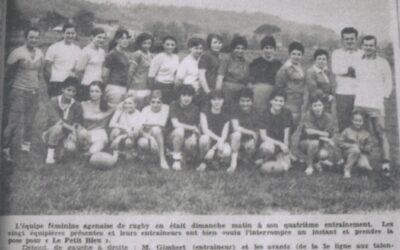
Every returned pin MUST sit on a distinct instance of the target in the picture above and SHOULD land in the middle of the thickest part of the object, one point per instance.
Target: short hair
(268, 41)
(358, 112)
(141, 38)
(216, 94)
(238, 40)
(320, 52)
(317, 98)
(369, 37)
(96, 31)
(278, 92)
(195, 41)
(212, 36)
(70, 81)
(156, 93)
(296, 46)
(26, 32)
(68, 26)
(349, 30)
(168, 37)
(118, 35)
(186, 90)
(130, 97)
(246, 93)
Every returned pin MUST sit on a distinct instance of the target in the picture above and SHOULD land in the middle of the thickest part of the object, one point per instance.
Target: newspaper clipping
(199, 125)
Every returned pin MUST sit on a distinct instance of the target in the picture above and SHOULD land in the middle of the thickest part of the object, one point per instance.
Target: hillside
(135, 16)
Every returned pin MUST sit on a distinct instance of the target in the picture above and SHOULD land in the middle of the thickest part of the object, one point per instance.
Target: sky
(368, 16)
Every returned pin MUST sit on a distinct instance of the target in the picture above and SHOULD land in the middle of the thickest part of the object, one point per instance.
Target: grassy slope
(136, 15)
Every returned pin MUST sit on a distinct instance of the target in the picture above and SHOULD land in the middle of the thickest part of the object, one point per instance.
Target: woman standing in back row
(290, 79)
(233, 73)
(263, 72)
(163, 68)
(139, 69)
(116, 68)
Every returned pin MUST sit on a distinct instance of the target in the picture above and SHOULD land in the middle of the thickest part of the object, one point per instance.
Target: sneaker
(50, 161)
(164, 165)
(347, 174)
(309, 171)
(26, 147)
(386, 169)
(176, 165)
(201, 167)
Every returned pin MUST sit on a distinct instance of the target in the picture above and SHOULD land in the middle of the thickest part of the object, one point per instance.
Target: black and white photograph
(200, 107)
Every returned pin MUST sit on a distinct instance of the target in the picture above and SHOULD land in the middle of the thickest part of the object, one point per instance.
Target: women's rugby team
(208, 110)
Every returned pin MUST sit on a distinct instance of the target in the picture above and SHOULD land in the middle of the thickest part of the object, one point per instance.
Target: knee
(129, 143)
(204, 141)
(250, 146)
(236, 136)
(323, 154)
(191, 142)
(178, 133)
(143, 143)
(225, 152)
(156, 131)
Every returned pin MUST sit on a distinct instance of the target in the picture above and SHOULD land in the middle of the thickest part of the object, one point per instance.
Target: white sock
(50, 154)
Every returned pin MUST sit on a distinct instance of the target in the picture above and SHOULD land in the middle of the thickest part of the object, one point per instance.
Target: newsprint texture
(199, 125)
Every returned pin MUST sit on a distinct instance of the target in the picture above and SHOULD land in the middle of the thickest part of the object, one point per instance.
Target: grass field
(140, 187)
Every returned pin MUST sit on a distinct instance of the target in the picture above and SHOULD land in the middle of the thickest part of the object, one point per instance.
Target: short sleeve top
(64, 58)
(215, 122)
(93, 117)
(248, 120)
(27, 74)
(234, 69)
(263, 71)
(152, 118)
(118, 64)
(275, 124)
(188, 115)
(91, 61)
(323, 123)
(140, 69)
(210, 62)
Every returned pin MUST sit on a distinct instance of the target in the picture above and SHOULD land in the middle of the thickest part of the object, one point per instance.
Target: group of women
(106, 78)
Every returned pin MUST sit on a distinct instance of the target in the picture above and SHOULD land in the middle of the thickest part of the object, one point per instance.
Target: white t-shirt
(64, 58)
(91, 60)
(129, 121)
(163, 67)
(151, 118)
(341, 61)
(188, 71)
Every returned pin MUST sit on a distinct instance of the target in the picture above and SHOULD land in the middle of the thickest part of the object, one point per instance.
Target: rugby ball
(103, 160)
(273, 167)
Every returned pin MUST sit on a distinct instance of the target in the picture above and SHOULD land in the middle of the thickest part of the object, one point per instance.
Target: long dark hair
(118, 35)
(141, 38)
(103, 104)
